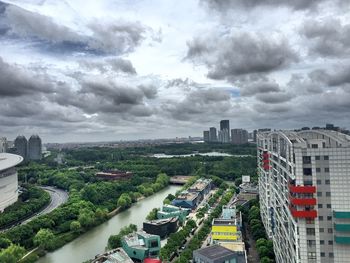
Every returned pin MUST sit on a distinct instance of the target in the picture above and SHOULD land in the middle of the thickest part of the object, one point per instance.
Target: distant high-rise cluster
(225, 135)
(29, 150)
(3, 145)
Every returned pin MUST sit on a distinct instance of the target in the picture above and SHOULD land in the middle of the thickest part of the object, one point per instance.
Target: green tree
(44, 239)
(86, 217)
(75, 226)
(12, 254)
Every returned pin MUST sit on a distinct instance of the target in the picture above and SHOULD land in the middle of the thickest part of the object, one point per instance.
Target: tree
(12, 254)
(4, 243)
(124, 201)
(44, 239)
(75, 226)
(152, 214)
(86, 217)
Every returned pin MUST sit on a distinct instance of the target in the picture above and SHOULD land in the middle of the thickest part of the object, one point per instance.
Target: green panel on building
(342, 227)
(342, 240)
(341, 214)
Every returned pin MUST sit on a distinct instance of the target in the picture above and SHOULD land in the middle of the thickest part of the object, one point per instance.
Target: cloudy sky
(87, 70)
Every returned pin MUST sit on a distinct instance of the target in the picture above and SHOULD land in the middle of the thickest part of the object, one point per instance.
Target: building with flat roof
(34, 148)
(224, 131)
(161, 227)
(114, 175)
(141, 245)
(201, 186)
(117, 255)
(3, 145)
(239, 136)
(304, 194)
(213, 137)
(225, 230)
(218, 254)
(21, 146)
(8, 179)
(206, 136)
(187, 199)
(169, 211)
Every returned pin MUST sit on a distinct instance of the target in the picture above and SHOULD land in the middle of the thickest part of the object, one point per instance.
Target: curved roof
(8, 160)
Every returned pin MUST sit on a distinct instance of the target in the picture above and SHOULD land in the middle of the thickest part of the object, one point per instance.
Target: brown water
(94, 242)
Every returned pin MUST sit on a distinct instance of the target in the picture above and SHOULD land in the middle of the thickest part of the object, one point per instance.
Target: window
(317, 157)
(321, 242)
(320, 206)
(330, 242)
(307, 171)
(325, 158)
(330, 230)
(329, 206)
(306, 159)
(319, 194)
(327, 181)
(326, 170)
(328, 194)
(329, 218)
(314, 146)
(311, 243)
(311, 255)
(323, 254)
(320, 218)
(331, 255)
(321, 230)
(319, 182)
(310, 231)
(318, 170)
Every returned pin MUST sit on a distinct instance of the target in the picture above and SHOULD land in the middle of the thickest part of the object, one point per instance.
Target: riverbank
(93, 242)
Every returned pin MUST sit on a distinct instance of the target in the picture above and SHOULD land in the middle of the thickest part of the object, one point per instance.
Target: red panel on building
(303, 201)
(152, 260)
(304, 213)
(302, 189)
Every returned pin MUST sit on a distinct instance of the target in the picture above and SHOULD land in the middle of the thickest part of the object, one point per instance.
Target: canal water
(94, 242)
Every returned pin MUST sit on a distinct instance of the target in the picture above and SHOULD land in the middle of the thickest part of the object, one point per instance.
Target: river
(94, 241)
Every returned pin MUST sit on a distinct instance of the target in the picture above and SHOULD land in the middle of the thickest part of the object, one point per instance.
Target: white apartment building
(304, 187)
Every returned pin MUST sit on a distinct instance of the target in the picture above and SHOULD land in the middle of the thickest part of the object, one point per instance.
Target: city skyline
(132, 69)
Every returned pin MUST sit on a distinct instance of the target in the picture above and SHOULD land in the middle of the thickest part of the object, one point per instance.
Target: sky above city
(87, 70)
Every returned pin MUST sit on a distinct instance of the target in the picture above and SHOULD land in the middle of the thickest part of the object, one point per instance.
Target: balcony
(342, 240)
(303, 213)
(342, 227)
(266, 167)
(302, 189)
(341, 214)
(266, 160)
(303, 201)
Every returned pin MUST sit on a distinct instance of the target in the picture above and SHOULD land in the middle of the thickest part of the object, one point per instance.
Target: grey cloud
(112, 64)
(228, 57)
(274, 98)
(259, 87)
(328, 37)
(225, 5)
(116, 37)
(16, 81)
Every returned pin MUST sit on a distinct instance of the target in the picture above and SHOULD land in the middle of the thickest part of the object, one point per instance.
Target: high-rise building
(34, 148)
(21, 146)
(8, 179)
(3, 145)
(225, 131)
(239, 136)
(206, 136)
(212, 134)
(304, 194)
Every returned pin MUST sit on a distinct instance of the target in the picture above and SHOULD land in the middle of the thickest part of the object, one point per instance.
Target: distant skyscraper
(239, 136)
(206, 136)
(3, 145)
(225, 131)
(212, 134)
(34, 148)
(21, 146)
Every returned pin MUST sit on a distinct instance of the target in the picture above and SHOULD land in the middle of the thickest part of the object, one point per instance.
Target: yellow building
(225, 229)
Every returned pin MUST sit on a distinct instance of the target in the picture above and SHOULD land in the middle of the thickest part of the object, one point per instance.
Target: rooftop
(117, 255)
(217, 252)
(162, 221)
(224, 222)
(8, 160)
(199, 185)
(187, 196)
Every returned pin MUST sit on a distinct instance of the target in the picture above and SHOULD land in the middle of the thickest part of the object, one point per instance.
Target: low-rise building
(225, 230)
(218, 254)
(201, 186)
(187, 200)
(161, 227)
(141, 245)
(114, 175)
(170, 211)
(117, 255)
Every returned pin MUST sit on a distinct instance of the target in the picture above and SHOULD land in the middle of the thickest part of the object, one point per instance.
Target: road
(57, 196)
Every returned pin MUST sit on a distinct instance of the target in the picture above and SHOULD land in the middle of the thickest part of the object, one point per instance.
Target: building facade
(21, 146)
(8, 179)
(34, 148)
(239, 136)
(225, 131)
(213, 137)
(206, 136)
(117, 255)
(161, 227)
(218, 254)
(304, 194)
(3, 145)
